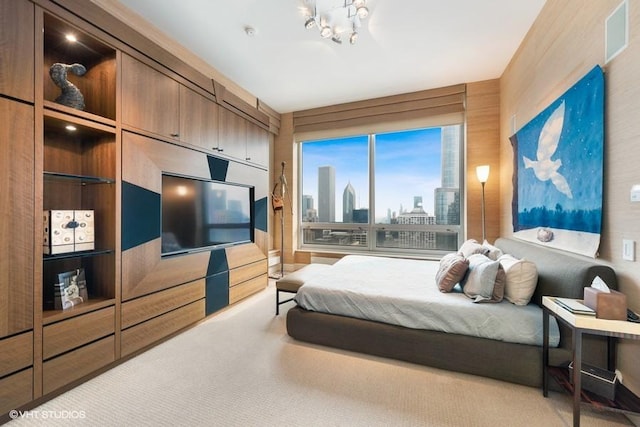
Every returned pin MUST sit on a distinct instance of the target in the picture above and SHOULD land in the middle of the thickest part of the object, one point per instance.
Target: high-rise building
(348, 203)
(447, 197)
(416, 239)
(309, 214)
(326, 194)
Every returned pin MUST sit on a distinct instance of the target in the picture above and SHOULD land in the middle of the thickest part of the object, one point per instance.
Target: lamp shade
(482, 172)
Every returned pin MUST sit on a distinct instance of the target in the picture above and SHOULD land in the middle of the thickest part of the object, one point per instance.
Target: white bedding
(403, 292)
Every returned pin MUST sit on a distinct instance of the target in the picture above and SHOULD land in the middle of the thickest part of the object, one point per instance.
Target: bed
(457, 334)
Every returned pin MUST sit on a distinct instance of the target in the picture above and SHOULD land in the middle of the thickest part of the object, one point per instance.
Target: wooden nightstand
(626, 401)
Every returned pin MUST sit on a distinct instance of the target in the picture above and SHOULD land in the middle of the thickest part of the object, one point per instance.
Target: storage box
(68, 231)
(607, 305)
(597, 380)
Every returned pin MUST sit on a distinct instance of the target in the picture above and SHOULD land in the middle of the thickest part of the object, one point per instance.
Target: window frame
(372, 228)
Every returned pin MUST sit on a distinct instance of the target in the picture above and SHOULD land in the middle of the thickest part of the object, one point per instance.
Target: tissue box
(607, 305)
(596, 380)
(68, 231)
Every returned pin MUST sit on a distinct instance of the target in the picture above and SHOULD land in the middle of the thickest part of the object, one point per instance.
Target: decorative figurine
(71, 95)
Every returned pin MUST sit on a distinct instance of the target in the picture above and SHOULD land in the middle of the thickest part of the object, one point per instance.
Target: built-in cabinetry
(139, 119)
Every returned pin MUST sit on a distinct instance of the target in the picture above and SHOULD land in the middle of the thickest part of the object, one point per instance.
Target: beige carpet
(240, 368)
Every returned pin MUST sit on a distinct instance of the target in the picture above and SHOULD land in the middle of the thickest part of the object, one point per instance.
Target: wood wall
(566, 41)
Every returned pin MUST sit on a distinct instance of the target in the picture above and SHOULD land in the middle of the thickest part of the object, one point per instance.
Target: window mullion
(372, 193)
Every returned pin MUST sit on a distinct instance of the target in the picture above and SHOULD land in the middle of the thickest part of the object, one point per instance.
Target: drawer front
(16, 354)
(145, 308)
(71, 333)
(144, 334)
(243, 290)
(16, 390)
(74, 365)
(247, 272)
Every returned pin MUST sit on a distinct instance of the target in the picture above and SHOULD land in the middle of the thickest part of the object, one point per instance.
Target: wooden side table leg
(577, 370)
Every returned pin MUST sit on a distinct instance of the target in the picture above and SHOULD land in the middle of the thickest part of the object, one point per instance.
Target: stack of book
(574, 306)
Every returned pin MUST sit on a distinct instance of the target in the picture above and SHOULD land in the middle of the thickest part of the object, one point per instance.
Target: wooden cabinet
(243, 140)
(17, 201)
(16, 49)
(198, 120)
(150, 99)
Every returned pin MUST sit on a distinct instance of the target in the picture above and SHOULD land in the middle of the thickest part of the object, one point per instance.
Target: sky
(407, 164)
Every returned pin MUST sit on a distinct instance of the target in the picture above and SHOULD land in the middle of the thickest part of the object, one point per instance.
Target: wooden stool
(292, 281)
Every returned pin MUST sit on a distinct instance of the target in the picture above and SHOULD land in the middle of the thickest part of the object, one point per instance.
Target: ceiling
(403, 46)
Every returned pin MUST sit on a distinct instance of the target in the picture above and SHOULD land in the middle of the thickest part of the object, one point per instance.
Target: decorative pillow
(522, 279)
(471, 247)
(452, 269)
(481, 278)
(494, 251)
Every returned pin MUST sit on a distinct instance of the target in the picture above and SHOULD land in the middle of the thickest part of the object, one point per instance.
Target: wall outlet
(628, 250)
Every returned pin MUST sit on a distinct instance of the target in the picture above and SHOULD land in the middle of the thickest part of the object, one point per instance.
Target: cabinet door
(198, 120)
(17, 49)
(257, 145)
(233, 134)
(17, 210)
(150, 99)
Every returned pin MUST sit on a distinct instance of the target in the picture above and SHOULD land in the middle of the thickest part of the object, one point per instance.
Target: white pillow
(522, 278)
(481, 277)
(494, 251)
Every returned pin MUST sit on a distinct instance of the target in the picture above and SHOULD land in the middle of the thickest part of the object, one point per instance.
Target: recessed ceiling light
(72, 38)
(71, 128)
(250, 31)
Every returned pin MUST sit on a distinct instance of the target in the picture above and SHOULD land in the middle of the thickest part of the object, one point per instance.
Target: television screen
(200, 214)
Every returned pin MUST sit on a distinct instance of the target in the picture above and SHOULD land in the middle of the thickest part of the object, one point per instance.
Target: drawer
(246, 272)
(147, 307)
(78, 363)
(144, 334)
(16, 390)
(16, 354)
(243, 290)
(71, 333)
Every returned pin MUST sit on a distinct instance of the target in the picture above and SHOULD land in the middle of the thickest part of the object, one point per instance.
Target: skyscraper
(326, 194)
(308, 212)
(447, 197)
(348, 203)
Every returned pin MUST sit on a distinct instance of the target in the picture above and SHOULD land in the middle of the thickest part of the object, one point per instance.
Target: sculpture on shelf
(71, 95)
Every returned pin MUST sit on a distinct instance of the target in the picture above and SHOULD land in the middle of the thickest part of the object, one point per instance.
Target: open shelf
(82, 254)
(625, 402)
(80, 179)
(52, 316)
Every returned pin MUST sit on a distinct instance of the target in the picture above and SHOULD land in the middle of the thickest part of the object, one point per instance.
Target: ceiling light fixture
(334, 19)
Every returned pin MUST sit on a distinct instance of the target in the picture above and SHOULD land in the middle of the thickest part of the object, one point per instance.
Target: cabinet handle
(220, 150)
(175, 135)
(247, 158)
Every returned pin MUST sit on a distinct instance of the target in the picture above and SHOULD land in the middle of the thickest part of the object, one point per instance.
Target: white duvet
(403, 292)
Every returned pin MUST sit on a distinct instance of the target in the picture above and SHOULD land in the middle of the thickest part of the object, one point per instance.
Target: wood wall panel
(17, 208)
(16, 354)
(144, 271)
(145, 334)
(147, 307)
(16, 50)
(566, 41)
(483, 148)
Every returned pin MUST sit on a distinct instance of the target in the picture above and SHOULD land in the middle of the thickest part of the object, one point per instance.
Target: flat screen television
(200, 214)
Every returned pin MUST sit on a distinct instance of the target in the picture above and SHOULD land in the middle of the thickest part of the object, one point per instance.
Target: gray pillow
(481, 278)
(471, 247)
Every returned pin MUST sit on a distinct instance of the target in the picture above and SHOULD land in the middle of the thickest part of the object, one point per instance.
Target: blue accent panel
(216, 292)
(140, 215)
(261, 214)
(218, 168)
(217, 262)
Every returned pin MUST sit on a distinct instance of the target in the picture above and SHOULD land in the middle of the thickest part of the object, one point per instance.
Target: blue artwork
(558, 170)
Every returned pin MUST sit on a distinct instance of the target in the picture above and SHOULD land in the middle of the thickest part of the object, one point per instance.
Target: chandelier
(336, 18)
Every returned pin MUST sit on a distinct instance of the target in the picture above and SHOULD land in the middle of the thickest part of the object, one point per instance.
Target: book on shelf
(70, 290)
(574, 306)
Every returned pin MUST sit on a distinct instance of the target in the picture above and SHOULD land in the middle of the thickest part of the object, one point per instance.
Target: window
(385, 192)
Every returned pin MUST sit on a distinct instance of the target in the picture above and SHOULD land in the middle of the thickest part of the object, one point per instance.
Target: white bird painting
(544, 168)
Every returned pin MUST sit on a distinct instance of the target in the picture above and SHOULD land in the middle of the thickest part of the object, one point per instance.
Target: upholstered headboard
(559, 273)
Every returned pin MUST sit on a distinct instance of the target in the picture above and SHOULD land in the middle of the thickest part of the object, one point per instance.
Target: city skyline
(412, 158)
